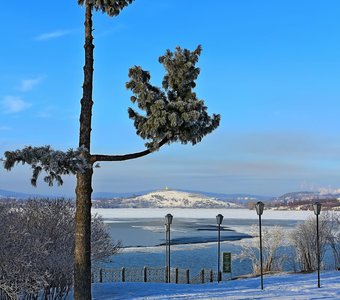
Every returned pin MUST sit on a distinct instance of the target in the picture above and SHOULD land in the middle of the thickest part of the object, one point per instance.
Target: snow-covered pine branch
(169, 114)
(173, 112)
(54, 162)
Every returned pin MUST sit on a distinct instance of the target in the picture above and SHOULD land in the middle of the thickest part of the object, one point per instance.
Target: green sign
(226, 262)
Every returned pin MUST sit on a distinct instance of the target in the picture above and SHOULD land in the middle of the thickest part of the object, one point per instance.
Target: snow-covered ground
(284, 286)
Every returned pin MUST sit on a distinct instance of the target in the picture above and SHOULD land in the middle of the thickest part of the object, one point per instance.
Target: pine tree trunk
(82, 254)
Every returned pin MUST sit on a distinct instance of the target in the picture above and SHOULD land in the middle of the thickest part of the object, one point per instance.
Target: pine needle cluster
(173, 112)
(110, 7)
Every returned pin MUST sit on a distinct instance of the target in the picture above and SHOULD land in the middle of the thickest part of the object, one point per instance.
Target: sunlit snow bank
(286, 286)
(139, 213)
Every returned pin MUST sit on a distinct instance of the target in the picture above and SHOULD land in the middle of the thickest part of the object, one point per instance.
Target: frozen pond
(193, 235)
(145, 227)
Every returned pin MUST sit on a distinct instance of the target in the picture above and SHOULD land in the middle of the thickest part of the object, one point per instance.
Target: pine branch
(54, 163)
(102, 157)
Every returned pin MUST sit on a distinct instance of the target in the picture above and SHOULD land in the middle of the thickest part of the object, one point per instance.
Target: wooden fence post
(187, 276)
(123, 274)
(101, 275)
(176, 275)
(202, 275)
(145, 273)
(166, 274)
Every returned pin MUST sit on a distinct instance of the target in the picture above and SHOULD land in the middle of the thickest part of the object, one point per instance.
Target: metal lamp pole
(219, 219)
(317, 210)
(168, 221)
(259, 210)
(166, 251)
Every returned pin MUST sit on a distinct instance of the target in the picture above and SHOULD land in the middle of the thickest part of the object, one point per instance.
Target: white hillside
(172, 198)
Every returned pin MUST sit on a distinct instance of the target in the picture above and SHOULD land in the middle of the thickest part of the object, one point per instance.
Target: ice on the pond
(190, 213)
(150, 228)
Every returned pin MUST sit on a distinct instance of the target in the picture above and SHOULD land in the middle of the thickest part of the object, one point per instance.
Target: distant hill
(109, 195)
(304, 200)
(166, 198)
(132, 199)
(25, 196)
(305, 195)
(235, 198)
(15, 195)
(188, 198)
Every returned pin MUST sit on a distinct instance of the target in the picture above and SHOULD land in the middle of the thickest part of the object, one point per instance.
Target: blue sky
(270, 68)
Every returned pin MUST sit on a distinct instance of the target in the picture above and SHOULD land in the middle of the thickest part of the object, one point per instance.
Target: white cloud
(13, 104)
(52, 35)
(29, 84)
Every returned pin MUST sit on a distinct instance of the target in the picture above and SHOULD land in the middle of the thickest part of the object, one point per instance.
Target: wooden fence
(148, 274)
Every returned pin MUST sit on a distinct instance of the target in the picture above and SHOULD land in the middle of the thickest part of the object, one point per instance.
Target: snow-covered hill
(172, 198)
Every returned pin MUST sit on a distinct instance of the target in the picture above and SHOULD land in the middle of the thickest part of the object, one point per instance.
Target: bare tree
(102, 247)
(303, 239)
(272, 239)
(37, 246)
(18, 272)
(333, 236)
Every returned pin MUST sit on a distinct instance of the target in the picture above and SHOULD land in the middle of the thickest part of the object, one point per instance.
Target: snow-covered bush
(37, 247)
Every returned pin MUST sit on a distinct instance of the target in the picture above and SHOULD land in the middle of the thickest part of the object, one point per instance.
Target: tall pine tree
(172, 113)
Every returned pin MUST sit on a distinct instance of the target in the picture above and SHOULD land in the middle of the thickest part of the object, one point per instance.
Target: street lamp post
(259, 210)
(219, 219)
(168, 221)
(317, 210)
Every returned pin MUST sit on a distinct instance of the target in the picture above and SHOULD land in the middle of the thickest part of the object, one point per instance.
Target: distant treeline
(302, 204)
